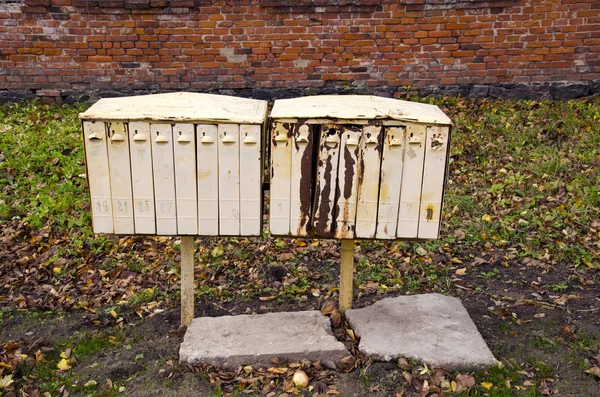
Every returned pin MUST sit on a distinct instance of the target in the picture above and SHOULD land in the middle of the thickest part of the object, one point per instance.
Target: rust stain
(348, 172)
(306, 184)
(324, 205)
(429, 213)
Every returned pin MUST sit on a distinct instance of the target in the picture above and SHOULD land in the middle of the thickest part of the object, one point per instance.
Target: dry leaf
(487, 385)
(461, 271)
(594, 371)
(63, 365)
(267, 298)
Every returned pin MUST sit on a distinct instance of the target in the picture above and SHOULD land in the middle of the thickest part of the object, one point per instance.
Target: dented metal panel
(96, 159)
(281, 173)
(229, 179)
(436, 150)
(391, 179)
(348, 181)
(120, 178)
(164, 179)
(208, 180)
(412, 178)
(250, 181)
(141, 177)
(303, 137)
(184, 151)
(368, 189)
(326, 181)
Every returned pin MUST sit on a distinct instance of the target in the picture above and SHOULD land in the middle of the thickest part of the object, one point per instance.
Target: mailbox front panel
(208, 180)
(96, 157)
(349, 178)
(303, 138)
(436, 152)
(281, 174)
(164, 179)
(229, 179)
(368, 190)
(250, 181)
(141, 178)
(184, 150)
(326, 181)
(412, 178)
(391, 181)
(120, 178)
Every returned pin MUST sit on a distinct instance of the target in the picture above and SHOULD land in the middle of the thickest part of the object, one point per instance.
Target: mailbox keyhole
(331, 132)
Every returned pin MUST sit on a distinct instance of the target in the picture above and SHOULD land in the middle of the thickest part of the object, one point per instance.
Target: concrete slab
(430, 328)
(231, 341)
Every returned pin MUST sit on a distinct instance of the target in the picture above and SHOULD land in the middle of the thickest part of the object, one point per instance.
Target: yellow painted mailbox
(175, 164)
(353, 167)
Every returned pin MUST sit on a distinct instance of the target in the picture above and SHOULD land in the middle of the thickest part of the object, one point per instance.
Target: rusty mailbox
(359, 167)
(175, 164)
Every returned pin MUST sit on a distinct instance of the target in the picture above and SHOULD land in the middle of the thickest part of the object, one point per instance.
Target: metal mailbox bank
(175, 164)
(354, 167)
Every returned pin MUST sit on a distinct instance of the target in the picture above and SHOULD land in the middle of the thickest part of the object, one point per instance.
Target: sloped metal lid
(179, 107)
(357, 107)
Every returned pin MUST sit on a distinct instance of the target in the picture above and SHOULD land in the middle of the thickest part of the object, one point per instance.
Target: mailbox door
(96, 157)
(412, 178)
(348, 180)
(281, 172)
(368, 191)
(141, 178)
(184, 150)
(250, 181)
(164, 179)
(391, 174)
(326, 181)
(208, 180)
(436, 152)
(120, 178)
(229, 180)
(301, 179)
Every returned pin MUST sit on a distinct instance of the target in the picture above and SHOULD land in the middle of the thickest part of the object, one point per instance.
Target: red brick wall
(266, 47)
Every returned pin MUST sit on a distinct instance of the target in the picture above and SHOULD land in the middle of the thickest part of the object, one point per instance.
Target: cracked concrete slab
(231, 341)
(430, 328)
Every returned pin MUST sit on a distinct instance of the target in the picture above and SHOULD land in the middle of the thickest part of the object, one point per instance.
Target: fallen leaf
(6, 381)
(594, 371)
(461, 271)
(63, 365)
(487, 385)
(267, 298)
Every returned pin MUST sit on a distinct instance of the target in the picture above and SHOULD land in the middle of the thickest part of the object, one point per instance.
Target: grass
(523, 182)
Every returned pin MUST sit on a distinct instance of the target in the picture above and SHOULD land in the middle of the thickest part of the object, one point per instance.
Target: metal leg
(187, 280)
(346, 275)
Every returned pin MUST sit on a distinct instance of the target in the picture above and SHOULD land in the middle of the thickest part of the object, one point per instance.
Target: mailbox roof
(179, 107)
(357, 107)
